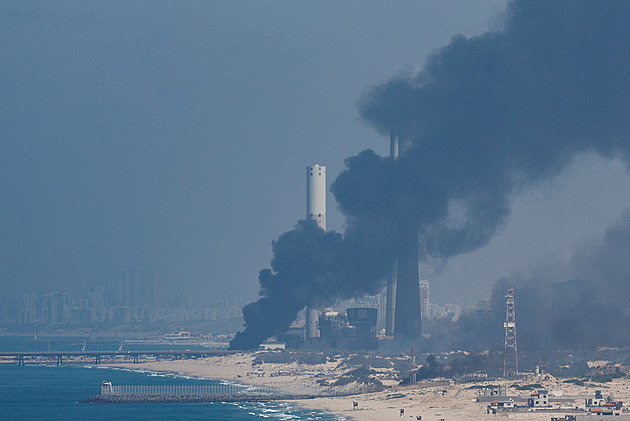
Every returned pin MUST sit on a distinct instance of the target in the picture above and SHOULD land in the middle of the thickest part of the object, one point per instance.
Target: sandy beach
(431, 400)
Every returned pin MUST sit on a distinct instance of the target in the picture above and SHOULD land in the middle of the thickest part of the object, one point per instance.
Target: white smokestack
(316, 210)
(316, 194)
(393, 146)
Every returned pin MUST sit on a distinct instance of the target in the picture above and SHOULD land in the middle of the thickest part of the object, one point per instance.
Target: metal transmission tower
(510, 356)
(412, 377)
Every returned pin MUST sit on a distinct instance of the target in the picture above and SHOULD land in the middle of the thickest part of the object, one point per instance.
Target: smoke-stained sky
(174, 135)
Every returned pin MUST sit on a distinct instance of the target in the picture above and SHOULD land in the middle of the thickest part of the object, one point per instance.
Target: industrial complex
(403, 304)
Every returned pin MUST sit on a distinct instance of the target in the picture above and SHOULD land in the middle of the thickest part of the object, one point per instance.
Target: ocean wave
(153, 373)
(272, 410)
(285, 411)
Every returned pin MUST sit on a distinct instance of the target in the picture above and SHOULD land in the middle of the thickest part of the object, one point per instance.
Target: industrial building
(406, 299)
(539, 399)
(334, 329)
(364, 322)
(353, 329)
(378, 301)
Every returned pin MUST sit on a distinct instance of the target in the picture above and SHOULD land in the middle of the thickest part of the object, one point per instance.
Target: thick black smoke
(485, 116)
(586, 308)
(308, 268)
(493, 113)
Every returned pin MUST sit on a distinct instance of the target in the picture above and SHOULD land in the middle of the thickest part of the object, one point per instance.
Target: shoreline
(377, 406)
(231, 373)
(431, 400)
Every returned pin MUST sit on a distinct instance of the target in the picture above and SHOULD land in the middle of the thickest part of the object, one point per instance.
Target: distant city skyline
(129, 301)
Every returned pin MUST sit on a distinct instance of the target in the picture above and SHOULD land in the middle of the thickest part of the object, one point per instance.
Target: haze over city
(358, 210)
(174, 136)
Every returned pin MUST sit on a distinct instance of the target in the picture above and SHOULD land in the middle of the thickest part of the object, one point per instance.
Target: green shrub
(532, 386)
(576, 382)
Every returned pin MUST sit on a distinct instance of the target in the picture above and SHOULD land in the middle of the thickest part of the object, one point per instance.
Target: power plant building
(353, 329)
(364, 321)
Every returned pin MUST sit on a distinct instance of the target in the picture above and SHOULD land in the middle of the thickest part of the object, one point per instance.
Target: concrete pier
(202, 393)
(61, 357)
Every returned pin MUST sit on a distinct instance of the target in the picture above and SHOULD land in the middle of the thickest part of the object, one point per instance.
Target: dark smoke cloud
(485, 117)
(607, 263)
(605, 298)
(493, 113)
(308, 268)
(585, 307)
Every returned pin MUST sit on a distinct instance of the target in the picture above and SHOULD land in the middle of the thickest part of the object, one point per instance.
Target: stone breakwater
(192, 398)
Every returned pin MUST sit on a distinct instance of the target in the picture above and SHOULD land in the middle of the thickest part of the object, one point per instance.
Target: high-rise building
(424, 299)
(136, 288)
(136, 296)
(27, 309)
(97, 308)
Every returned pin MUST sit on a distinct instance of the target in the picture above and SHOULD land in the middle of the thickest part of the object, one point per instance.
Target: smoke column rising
(562, 305)
(485, 117)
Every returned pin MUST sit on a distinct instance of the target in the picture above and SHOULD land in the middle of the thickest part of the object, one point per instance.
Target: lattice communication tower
(510, 358)
(412, 377)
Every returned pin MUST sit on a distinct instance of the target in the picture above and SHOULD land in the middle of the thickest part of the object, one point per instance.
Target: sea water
(50, 392)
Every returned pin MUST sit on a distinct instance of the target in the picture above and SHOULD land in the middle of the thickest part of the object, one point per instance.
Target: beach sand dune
(430, 400)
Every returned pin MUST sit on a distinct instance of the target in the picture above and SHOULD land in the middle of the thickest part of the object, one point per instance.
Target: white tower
(316, 210)
(316, 194)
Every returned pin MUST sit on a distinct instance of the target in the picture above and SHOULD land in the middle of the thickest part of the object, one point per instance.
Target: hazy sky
(175, 136)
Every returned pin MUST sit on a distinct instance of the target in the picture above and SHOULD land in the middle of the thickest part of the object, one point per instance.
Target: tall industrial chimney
(393, 146)
(316, 210)
(316, 194)
(408, 316)
(390, 309)
(403, 318)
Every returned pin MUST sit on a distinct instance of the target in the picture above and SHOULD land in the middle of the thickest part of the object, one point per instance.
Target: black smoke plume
(586, 308)
(309, 267)
(485, 117)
